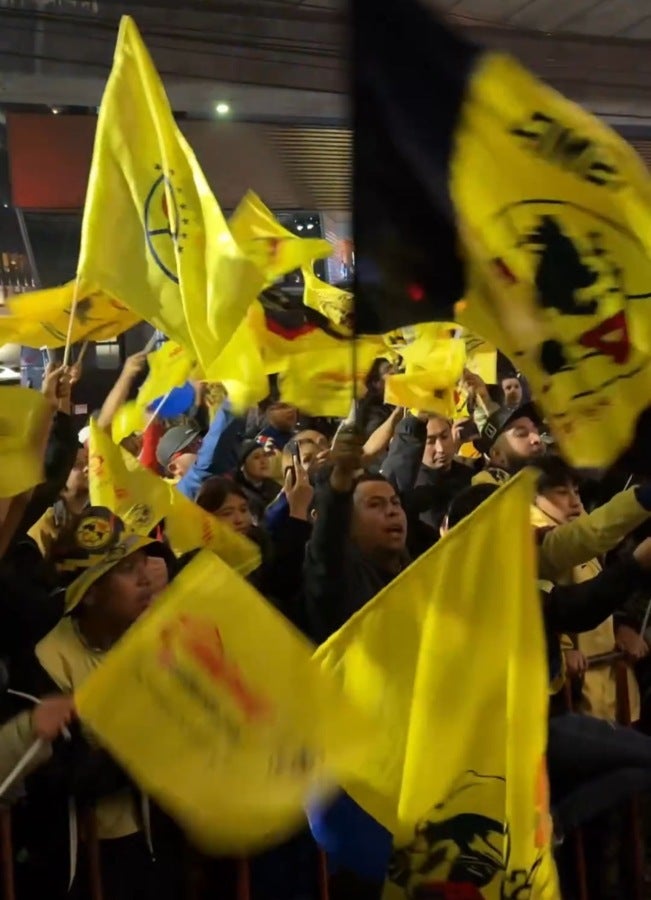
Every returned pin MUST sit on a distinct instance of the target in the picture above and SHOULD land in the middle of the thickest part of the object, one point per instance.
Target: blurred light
(299, 227)
(310, 226)
(55, 110)
(222, 109)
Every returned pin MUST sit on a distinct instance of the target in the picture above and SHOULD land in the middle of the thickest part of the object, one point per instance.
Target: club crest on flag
(461, 842)
(164, 222)
(140, 517)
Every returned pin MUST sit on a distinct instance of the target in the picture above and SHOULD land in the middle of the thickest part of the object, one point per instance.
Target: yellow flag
(481, 357)
(432, 371)
(24, 416)
(274, 249)
(41, 318)
(142, 499)
(169, 367)
(117, 481)
(452, 649)
(322, 383)
(332, 302)
(227, 686)
(128, 419)
(558, 237)
(165, 249)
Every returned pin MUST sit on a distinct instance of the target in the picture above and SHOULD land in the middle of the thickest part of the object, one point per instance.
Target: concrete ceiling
(608, 18)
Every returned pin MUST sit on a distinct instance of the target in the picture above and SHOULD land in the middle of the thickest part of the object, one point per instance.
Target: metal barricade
(90, 848)
(617, 659)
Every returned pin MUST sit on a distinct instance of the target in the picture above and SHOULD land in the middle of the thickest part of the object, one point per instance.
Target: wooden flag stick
(82, 353)
(73, 313)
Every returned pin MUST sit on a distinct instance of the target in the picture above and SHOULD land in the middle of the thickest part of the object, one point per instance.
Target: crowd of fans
(338, 510)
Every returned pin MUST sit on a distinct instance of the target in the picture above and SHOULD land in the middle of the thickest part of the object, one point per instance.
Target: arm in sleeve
(152, 435)
(324, 574)
(218, 452)
(576, 542)
(577, 608)
(405, 454)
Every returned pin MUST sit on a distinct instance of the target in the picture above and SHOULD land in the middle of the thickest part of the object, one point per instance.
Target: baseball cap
(98, 542)
(499, 421)
(175, 440)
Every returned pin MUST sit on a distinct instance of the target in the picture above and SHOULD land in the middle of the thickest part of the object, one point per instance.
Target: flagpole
(73, 312)
(82, 353)
(157, 410)
(151, 343)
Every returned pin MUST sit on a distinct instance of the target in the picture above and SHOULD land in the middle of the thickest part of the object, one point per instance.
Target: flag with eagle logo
(546, 254)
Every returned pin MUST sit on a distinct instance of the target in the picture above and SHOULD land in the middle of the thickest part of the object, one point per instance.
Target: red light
(416, 293)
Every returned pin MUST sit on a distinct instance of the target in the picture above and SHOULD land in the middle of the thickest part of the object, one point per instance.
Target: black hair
(214, 492)
(468, 501)
(374, 372)
(370, 476)
(554, 472)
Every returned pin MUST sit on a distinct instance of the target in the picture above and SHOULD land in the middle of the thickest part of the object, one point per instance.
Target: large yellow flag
(165, 248)
(247, 726)
(558, 239)
(24, 421)
(142, 499)
(451, 661)
(42, 318)
(274, 249)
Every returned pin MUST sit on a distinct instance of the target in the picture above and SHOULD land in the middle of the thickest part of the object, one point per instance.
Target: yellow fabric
(44, 530)
(274, 250)
(165, 250)
(23, 418)
(69, 662)
(332, 302)
(228, 687)
(42, 318)
(142, 499)
(562, 212)
(130, 418)
(599, 686)
(454, 648)
(169, 367)
(433, 368)
(481, 357)
(322, 383)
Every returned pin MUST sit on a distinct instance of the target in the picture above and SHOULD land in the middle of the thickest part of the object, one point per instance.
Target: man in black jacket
(358, 540)
(421, 465)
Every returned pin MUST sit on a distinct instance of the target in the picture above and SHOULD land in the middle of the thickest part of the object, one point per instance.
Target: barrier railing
(623, 713)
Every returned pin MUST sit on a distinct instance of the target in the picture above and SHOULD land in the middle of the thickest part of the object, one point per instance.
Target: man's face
(512, 392)
(181, 463)
(517, 445)
(562, 504)
(379, 521)
(282, 416)
(439, 446)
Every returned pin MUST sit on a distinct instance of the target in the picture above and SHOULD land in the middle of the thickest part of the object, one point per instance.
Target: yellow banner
(247, 726)
(558, 235)
(404, 658)
(165, 249)
(42, 318)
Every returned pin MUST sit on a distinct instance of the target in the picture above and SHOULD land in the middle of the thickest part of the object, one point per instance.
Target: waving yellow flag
(274, 249)
(165, 248)
(228, 687)
(142, 499)
(437, 661)
(24, 423)
(41, 318)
